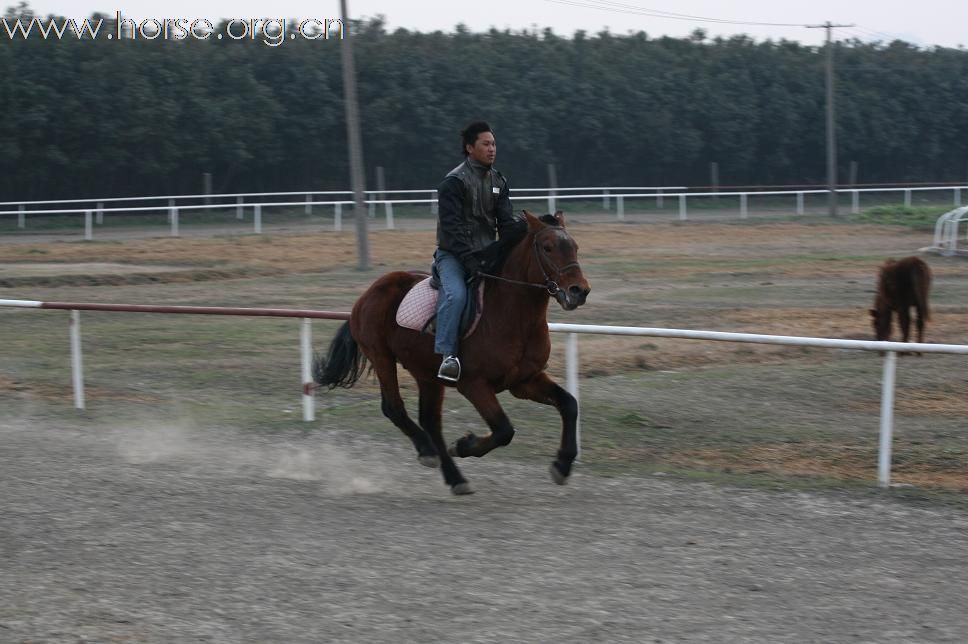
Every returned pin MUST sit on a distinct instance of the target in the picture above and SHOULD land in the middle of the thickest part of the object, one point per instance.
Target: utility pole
(357, 178)
(831, 124)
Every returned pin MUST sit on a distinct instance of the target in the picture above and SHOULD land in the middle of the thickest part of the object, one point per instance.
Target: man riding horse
(475, 227)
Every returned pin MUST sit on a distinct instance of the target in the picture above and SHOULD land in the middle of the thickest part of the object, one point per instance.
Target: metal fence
(890, 350)
(93, 213)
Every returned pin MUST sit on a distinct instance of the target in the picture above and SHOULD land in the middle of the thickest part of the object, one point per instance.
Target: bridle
(551, 285)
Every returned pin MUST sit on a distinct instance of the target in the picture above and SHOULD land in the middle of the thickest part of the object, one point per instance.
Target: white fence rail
(946, 231)
(95, 215)
(890, 350)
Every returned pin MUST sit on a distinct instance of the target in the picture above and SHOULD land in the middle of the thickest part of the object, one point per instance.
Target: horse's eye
(548, 248)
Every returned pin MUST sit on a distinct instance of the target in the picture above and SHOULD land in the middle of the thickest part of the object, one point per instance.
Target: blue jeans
(451, 299)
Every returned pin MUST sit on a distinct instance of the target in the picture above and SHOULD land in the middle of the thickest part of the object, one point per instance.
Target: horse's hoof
(464, 441)
(557, 476)
(462, 488)
(429, 461)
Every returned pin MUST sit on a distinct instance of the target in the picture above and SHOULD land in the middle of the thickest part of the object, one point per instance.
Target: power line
(888, 38)
(618, 7)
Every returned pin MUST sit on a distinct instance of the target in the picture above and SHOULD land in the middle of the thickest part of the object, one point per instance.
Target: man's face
(484, 149)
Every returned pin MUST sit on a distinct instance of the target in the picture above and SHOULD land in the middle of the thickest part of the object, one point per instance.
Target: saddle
(418, 310)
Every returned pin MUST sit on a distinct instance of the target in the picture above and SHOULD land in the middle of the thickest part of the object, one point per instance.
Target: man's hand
(472, 263)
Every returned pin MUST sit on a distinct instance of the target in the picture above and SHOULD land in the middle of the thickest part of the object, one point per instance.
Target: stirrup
(449, 369)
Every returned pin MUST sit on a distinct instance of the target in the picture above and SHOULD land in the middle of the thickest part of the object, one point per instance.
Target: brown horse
(902, 284)
(508, 350)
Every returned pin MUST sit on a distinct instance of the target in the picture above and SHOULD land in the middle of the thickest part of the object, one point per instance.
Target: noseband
(551, 285)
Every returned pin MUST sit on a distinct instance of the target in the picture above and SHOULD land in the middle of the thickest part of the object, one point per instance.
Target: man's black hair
(469, 135)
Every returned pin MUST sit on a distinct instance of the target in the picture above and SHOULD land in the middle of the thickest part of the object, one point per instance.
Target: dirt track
(168, 534)
(249, 530)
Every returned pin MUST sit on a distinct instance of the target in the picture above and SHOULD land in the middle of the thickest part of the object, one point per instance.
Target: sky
(926, 23)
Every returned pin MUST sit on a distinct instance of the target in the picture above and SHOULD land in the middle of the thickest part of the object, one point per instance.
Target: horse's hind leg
(431, 402)
(921, 313)
(394, 409)
(546, 391)
(904, 321)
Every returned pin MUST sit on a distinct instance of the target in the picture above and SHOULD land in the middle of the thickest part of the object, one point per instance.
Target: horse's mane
(495, 255)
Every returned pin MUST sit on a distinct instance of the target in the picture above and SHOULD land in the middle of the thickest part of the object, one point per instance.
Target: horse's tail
(343, 364)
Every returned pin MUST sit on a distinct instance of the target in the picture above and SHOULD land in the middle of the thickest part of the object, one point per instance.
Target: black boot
(449, 369)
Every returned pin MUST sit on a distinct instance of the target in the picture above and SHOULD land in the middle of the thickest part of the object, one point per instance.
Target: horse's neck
(527, 303)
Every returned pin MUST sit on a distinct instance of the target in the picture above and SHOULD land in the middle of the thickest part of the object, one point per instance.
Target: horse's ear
(560, 216)
(533, 222)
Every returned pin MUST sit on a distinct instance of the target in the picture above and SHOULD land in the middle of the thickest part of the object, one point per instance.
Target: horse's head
(554, 258)
(881, 320)
(882, 312)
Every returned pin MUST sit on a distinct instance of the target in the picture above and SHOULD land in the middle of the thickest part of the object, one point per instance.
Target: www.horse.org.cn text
(270, 31)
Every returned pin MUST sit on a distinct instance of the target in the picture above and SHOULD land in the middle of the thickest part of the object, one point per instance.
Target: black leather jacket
(474, 209)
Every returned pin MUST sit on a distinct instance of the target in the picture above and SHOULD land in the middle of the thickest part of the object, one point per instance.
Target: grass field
(746, 414)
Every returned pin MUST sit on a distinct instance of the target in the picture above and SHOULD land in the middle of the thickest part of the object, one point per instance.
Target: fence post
(171, 206)
(306, 353)
(390, 224)
(714, 178)
(907, 197)
(855, 201)
(658, 199)
(77, 361)
(100, 212)
(799, 203)
(88, 228)
(21, 217)
(957, 198)
(173, 217)
(605, 200)
(620, 207)
(239, 210)
(553, 185)
(381, 186)
(571, 378)
(381, 183)
(887, 420)
(682, 207)
(309, 204)
(207, 184)
(433, 203)
(257, 218)
(742, 206)
(338, 217)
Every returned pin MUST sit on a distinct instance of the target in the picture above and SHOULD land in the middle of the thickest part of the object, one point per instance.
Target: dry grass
(637, 272)
(47, 392)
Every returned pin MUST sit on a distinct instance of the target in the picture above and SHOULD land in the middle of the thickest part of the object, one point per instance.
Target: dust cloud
(359, 469)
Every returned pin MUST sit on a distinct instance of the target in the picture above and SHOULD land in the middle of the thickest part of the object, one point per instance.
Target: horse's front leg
(904, 321)
(484, 399)
(546, 391)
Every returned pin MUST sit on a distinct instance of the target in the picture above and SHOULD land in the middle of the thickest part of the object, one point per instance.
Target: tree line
(137, 117)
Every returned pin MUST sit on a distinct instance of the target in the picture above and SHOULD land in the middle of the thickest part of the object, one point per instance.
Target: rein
(549, 284)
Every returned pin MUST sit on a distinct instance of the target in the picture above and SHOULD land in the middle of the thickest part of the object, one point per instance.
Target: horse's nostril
(575, 290)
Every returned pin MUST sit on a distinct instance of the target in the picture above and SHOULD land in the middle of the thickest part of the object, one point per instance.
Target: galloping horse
(508, 350)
